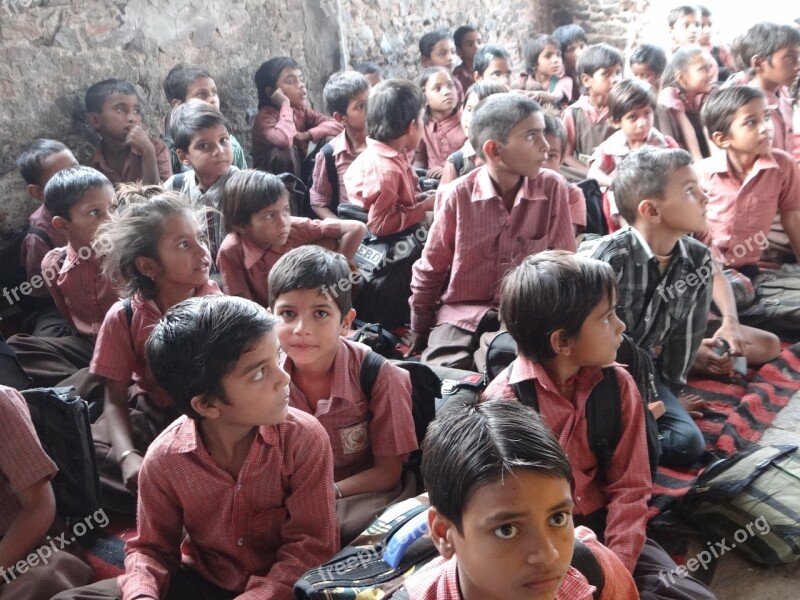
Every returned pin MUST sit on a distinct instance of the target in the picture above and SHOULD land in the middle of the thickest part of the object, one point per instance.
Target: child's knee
(682, 445)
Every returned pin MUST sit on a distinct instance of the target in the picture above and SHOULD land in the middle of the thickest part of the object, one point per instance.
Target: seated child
(443, 133)
(381, 179)
(255, 207)
(721, 54)
(501, 506)
(235, 496)
(126, 152)
(190, 83)
(455, 285)
(371, 437)
(559, 307)
(684, 26)
(285, 125)
(587, 120)
(371, 72)
(556, 137)
(436, 49)
(345, 97)
(154, 252)
(648, 63)
(493, 63)
(544, 71)
(573, 42)
(468, 41)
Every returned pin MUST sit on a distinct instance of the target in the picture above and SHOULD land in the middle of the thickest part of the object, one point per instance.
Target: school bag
(750, 502)
(380, 340)
(777, 301)
(593, 195)
(11, 372)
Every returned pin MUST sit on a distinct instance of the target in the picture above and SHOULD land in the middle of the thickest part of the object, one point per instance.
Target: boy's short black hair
(552, 290)
(494, 118)
(596, 57)
(66, 188)
(628, 95)
(644, 174)
(720, 107)
(392, 105)
(679, 12)
(477, 443)
(268, 74)
(247, 192)
(368, 68)
(310, 268)
(535, 46)
(29, 162)
(651, 56)
(764, 40)
(704, 11)
(430, 39)
(461, 33)
(341, 88)
(199, 341)
(484, 89)
(187, 119)
(567, 35)
(96, 95)
(180, 77)
(487, 54)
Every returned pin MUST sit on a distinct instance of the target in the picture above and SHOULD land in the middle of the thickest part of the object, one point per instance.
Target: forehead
(58, 161)
(680, 176)
(551, 47)
(523, 491)
(439, 77)
(118, 98)
(290, 72)
(308, 298)
(209, 132)
(689, 19)
(532, 121)
(180, 224)
(443, 44)
(202, 82)
(754, 107)
(472, 36)
(553, 141)
(103, 194)
(359, 97)
(499, 63)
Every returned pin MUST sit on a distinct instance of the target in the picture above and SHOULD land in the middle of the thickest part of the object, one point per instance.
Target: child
(501, 512)
(556, 137)
(721, 54)
(28, 510)
(586, 121)
(154, 252)
(493, 63)
(381, 179)
(687, 82)
(544, 71)
(345, 97)
(573, 42)
(465, 160)
(468, 41)
(648, 63)
(659, 195)
(126, 153)
(559, 307)
(436, 49)
(285, 125)
(371, 437)
(371, 72)
(684, 26)
(443, 133)
(255, 206)
(455, 283)
(187, 83)
(235, 496)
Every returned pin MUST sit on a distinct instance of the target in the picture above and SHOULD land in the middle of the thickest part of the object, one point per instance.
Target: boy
(573, 42)
(455, 285)
(371, 437)
(371, 72)
(501, 512)
(187, 83)
(27, 510)
(556, 137)
(236, 496)
(126, 153)
(586, 121)
(559, 307)
(648, 63)
(381, 179)
(345, 97)
(684, 26)
(468, 41)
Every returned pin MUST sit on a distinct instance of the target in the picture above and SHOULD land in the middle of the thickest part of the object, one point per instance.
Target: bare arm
(37, 510)
(118, 421)
(353, 233)
(791, 225)
(323, 212)
(688, 134)
(382, 477)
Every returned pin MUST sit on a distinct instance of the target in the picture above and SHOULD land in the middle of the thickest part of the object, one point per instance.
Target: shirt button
(578, 498)
(240, 541)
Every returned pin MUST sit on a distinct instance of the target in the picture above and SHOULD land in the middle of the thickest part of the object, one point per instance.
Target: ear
(94, 122)
(61, 224)
(148, 267)
(560, 342)
(426, 61)
(347, 320)
(175, 102)
(585, 79)
(648, 210)
(491, 149)
(182, 156)
(441, 531)
(757, 63)
(35, 191)
(477, 76)
(339, 117)
(720, 139)
(205, 407)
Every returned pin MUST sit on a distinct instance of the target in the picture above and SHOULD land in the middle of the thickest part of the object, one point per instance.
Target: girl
(255, 208)
(465, 160)
(493, 63)
(436, 49)
(687, 81)
(443, 133)
(154, 252)
(544, 73)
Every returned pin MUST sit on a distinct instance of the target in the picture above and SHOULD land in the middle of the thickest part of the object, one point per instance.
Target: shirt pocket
(264, 530)
(354, 439)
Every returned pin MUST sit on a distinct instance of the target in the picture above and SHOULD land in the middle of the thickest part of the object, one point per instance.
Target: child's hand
(416, 343)
(130, 471)
(139, 140)
(280, 99)
(657, 408)
(707, 361)
(302, 136)
(731, 332)
(435, 173)
(429, 202)
(693, 404)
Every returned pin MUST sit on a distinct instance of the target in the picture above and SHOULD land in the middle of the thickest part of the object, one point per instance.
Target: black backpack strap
(177, 181)
(604, 418)
(457, 158)
(585, 562)
(525, 391)
(128, 308)
(333, 176)
(42, 235)
(369, 372)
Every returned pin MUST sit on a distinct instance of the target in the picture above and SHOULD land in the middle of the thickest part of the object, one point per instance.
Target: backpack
(302, 191)
(593, 195)
(11, 372)
(380, 340)
(750, 502)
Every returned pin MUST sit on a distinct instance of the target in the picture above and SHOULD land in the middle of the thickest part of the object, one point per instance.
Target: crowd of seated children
(544, 72)
(573, 42)
(437, 49)
(468, 41)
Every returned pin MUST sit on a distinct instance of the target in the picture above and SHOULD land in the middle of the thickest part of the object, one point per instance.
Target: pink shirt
(629, 483)
(577, 207)
(474, 241)
(132, 168)
(611, 152)
(23, 462)
(382, 181)
(119, 352)
(463, 76)
(343, 156)
(781, 112)
(81, 292)
(255, 534)
(675, 99)
(593, 114)
(360, 428)
(738, 211)
(277, 127)
(34, 247)
(245, 267)
(439, 140)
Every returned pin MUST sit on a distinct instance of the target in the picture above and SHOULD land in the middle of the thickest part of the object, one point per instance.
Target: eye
(560, 519)
(259, 374)
(94, 212)
(286, 314)
(507, 531)
(184, 244)
(321, 314)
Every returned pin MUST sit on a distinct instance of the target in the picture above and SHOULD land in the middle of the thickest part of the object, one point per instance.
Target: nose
(284, 379)
(620, 324)
(541, 550)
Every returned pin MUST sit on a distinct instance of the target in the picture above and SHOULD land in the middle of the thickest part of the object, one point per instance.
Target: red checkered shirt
(34, 248)
(132, 168)
(343, 156)
(81, 292)
(737, 212)
(474, 241)
(277, 127)
(439, 140)
(119, 352)
(610, 153)
(382, 181)
(254, 535)
(23, 462)
(245, 267)
(359, 427)
(463, 77)
(629, 481)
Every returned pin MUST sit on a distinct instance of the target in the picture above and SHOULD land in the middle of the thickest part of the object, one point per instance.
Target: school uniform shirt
(82, 294)
(255, 534)
(34, 248)
(610, 153)
(23, 462)
(439, 140)
(782, 114)
(627, 492)
(474, 241)
(737, 212)
(463, 77)
(119, 353)
(343, 156)
(132, 167)
(668, 311)
(277, 127)
(360, 428)
(587, 126)
(675, 99)
(382, 181)
(470, 161)
(245, 267)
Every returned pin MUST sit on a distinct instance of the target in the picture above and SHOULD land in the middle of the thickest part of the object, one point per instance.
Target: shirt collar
(524, 369)
(383, 149)
(643, 252)
(73, 259)
(187, 437)
(718, 163)
(252, 253)
(485, 190)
